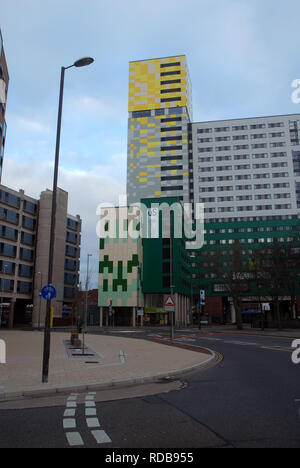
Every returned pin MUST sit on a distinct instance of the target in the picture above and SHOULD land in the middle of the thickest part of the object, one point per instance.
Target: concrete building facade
(24, 254)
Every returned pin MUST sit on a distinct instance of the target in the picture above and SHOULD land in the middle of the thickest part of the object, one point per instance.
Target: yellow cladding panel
(145, 83)
(158, 193)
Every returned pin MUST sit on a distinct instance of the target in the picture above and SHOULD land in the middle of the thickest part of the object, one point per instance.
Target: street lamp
(86, 301)
(46, 353)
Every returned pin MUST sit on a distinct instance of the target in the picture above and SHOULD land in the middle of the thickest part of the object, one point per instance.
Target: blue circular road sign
(48, 292)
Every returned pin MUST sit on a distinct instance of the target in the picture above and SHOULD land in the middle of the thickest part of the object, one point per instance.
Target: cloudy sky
(242, 55)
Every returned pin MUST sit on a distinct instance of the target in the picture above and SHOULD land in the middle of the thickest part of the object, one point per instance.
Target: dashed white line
(92, 422)
(101, 437)
(74, 439)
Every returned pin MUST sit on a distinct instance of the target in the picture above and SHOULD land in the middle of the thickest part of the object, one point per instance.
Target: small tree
(234, 274)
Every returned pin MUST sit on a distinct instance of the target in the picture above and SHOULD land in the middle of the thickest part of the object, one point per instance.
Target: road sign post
(169, 306)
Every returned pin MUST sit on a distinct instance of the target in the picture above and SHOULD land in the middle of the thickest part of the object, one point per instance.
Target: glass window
(28, 223)
(30, 207)
(24, 287)
(27, 238)
(26, 254)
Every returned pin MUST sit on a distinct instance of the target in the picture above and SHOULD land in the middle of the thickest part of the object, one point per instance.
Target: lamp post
(46, 353)
(86, 301)
(40, 297)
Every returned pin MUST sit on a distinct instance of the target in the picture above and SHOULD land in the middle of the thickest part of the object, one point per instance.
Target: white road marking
(101, 437)
(90, 404)
(69, 423)
(69, 413)
(74, 439)
(92, 422)
(71, 404)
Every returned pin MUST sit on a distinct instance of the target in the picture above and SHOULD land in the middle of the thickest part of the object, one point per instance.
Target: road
(251, 398)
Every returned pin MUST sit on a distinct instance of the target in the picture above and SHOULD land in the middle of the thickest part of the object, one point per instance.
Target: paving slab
(111, 361)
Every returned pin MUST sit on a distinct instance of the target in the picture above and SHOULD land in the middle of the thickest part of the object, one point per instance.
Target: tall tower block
(160, 109)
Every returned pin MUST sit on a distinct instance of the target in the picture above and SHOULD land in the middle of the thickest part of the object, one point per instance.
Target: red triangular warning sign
(169, 301)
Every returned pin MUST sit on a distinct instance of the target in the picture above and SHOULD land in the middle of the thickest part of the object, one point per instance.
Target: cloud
(86, 189)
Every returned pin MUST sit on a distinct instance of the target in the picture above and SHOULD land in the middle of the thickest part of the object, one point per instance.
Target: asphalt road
(249, 399)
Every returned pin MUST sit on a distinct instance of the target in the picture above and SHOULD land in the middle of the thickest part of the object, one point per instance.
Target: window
(170, 99)
(276, 124)
(70, 264)
(28, 223)
(171, 188)
(26, 254)
(69, 278)
(9, 216)
(25, 270)
(71, 251)
(30, 207)
(27, 238)
(24, 287)
(68, 293)
(239, 127)
(169, 82)
(72, 224)
(71, 237)
(172, 167)
(173, 64)
(172, 90)
(170, 158)
(171, 148)
(137, 114)
(8, 233)
(9, 199)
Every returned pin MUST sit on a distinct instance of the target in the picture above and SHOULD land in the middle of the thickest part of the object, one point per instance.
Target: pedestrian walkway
(107, 361)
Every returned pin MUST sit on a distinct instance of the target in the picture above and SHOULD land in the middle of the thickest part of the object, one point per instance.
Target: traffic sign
(169, 301)
(48, 292)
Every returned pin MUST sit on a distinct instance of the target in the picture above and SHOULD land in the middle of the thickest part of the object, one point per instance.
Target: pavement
(108, 361)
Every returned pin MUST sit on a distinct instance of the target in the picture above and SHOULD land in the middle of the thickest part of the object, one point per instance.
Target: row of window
(253, 136)
(262, 240)
(23, 287)
(14, 201)
(239, 157)
(275, 175)
(241, 127)
(211, 149)
(252, 229)
(265, 196)
(230, 188)
(10, 233)
(240, 167)
(231, 209)
(157, 112)
(9, 268)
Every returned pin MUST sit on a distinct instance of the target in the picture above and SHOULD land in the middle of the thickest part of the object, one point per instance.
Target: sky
(242, 56)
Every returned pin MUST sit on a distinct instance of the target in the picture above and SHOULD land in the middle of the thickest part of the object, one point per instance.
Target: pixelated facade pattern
(120, 260)
(159, 113)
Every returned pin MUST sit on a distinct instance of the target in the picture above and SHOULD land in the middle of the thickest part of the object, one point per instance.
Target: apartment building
(24, 254)
(247, 167)
(160, 109)
(5, 77)
(246, 172)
